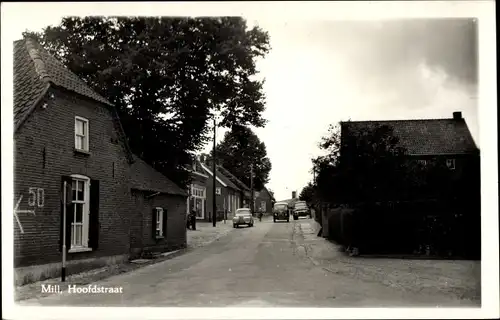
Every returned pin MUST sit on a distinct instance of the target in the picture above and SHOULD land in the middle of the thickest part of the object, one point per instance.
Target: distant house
(264, 201)
(245, 192)
(158, 223)
(66, 132)
(226, 192)
(197, 199)
(448, 141)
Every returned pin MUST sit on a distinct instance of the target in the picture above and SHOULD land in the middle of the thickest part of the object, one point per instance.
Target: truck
(301, 210)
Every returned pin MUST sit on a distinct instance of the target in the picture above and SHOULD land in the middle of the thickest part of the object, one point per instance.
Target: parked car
(243, 216)
(281, 212)
(301, 210)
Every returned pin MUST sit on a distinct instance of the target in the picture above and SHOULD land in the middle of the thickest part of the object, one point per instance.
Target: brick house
(158, 223)
(197, 191)
(227, 194)
(448, 204)
(447, 141)
(64, 131)
(263, 201)
(245, 193)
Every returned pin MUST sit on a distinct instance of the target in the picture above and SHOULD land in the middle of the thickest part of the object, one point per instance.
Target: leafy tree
(371, 166)
(307, 193)
(166, 76)
(241, 148)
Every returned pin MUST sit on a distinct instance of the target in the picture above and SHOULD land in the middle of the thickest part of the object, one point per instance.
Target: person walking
(193, 220)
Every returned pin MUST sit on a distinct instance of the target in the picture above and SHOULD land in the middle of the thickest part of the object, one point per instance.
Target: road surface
(263, 266)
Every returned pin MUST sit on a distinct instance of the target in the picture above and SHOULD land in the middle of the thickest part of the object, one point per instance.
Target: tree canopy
(166, 76)
(241, 148)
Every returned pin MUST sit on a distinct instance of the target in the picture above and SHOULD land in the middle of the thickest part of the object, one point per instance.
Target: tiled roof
(222, 177)
(34, 70)
(144, 177)
(234, 179)
(425, 137)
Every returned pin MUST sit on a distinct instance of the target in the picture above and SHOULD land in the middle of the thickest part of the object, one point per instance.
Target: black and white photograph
(250, 160)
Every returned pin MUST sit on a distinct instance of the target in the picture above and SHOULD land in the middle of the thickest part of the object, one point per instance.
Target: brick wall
(176, 222)
(219, 198)
(44, 152)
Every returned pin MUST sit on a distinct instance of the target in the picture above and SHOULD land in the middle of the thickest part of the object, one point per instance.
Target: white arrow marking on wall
(16, 211)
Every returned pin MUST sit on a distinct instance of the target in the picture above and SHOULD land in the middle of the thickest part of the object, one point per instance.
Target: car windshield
(242, 213)
(280, 206)
(300, 205)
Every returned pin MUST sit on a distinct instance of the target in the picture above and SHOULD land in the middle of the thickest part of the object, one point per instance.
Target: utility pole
(314, 175)
(251, 187)
(214, 158)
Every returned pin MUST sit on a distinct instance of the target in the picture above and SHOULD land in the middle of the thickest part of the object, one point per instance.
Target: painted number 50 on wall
(37, 197)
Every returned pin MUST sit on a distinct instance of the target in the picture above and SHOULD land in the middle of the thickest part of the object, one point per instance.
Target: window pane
(78, 235)
(73, 188)
(79, 142)
(79, 127)
(78, 212)
(80, 185)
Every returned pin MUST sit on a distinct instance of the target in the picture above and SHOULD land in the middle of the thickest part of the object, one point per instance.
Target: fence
(424, 227)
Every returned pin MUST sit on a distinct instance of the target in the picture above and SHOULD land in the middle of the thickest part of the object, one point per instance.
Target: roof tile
(145, 177)
(426, 136)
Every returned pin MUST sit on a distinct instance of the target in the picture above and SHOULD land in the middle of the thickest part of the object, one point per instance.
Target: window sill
(160, 237)
(75, 250)
(83, 152)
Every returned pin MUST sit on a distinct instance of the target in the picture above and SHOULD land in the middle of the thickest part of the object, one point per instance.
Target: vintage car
(281, 211)
(300, 209)
(242, 216)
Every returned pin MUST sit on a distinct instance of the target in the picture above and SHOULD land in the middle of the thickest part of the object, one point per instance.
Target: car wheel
(274, 220)
(234, 226)
(287, 220)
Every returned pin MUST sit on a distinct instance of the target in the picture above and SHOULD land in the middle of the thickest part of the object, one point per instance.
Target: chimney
(294, 194)
(457, 115)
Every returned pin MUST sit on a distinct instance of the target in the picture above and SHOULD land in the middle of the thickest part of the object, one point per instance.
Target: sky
(322, 71)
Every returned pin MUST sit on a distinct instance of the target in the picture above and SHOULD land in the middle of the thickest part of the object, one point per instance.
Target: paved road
(263, 266)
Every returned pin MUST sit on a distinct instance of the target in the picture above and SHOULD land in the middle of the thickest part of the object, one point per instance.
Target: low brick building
(227, 194)
(65, 131)
(264, 201)
(158, 223)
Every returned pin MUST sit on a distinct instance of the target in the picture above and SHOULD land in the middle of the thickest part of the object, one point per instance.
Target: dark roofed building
(448, 141)
(65, 132)
(158, 223)
(426, 136)
(227, 193)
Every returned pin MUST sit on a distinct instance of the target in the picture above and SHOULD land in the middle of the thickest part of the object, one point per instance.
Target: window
(198, 192)
(422, 162)
(218, 191)
(263, 206)
(159, 223)
(450, 163)
(80, 212)
(81, 134)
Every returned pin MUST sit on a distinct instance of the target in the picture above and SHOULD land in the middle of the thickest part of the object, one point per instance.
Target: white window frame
(263, 206)
(450, 163)
(218, 191)
(85, 214)
(85, 133)
(159, 223)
